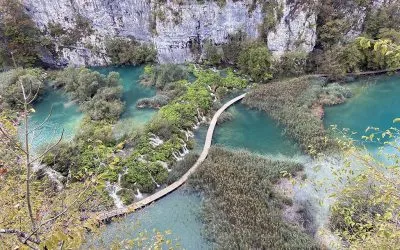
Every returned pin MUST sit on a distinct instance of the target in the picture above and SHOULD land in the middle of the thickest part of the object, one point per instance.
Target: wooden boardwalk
(104, 216)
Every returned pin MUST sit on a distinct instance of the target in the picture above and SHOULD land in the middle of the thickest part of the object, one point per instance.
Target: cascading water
(139, 195)
(155, 141)
(164, 165)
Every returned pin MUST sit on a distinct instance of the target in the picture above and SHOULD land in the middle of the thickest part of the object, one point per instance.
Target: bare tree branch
(44, 121)
(3, 132)
(20, 234)
(49, 148)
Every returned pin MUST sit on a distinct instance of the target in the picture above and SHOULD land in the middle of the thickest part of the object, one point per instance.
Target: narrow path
(103, 216)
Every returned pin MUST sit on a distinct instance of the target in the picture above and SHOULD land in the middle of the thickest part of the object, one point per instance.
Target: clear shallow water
(376, 103)
(64, 115)
(252, 130)
(132, 92)
(178, 212)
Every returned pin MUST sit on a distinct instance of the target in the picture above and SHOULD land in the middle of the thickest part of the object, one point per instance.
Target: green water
(251, 130)
(64, 115)
(376, 103)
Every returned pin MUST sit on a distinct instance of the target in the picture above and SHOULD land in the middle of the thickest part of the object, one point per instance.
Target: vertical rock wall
(172, 26)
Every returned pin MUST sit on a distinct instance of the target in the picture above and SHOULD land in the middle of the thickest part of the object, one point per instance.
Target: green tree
(38, 216)
(255, 60)
(366, 212)
(19, 37)
(129, 52)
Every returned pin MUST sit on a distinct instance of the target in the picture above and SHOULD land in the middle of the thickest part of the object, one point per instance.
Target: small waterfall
(201, 116)
(188, 134)
(164, 165)
(139, 195)
(184, 152)
(141, 159)
(112, 191)
(177, 158)
(155, 141)
(152, 178)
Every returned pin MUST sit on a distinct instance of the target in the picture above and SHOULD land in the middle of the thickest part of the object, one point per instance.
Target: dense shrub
(97, 94)
(153, 102)
(213, 54)
(338, 60)
(90, 152)
(105, 104)
(231, 49)
(241, 208)
(10, 86)
(127, 196)
(292, 63)
(255, 60)
(129, 52)
(387, 16)
(291, 102)
(161, 75)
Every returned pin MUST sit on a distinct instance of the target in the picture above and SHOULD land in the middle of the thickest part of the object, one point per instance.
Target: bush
(161, 75)
(213, 54)
(105, 105)
(291, 63)
(241, 209)
(153, 102)
(129, 52)
(255, 60)
(10, 86)
(98, 95)
(127, 196)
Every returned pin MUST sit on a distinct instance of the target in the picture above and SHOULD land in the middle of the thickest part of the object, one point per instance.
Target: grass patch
(241, 209)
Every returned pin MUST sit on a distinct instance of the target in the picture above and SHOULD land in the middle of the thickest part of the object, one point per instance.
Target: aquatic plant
(292, 103)
(241, 209)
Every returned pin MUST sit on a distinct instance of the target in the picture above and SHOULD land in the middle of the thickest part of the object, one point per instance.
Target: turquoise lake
(66, 114)
(251, 130)
(376, 103)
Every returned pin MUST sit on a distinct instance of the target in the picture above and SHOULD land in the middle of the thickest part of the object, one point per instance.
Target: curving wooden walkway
(104, 216)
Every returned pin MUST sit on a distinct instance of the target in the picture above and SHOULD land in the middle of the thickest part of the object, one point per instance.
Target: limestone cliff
(173, 26)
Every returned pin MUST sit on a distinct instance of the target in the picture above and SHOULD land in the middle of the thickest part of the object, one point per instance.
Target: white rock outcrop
(171, 26)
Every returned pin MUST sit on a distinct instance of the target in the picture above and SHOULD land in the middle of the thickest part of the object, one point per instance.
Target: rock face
(174, 27)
